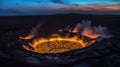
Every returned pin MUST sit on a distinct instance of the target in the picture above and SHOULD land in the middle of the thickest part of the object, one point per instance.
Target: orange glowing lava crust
(83, 35)
(57, 44)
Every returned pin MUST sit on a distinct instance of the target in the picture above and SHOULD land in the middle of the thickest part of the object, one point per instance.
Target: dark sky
(42, 7)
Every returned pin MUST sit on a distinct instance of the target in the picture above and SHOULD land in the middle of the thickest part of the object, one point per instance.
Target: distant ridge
(67, 14)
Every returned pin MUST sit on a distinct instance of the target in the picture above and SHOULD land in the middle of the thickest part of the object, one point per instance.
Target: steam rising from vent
(83, 34)
(85, 28)
(33, 33)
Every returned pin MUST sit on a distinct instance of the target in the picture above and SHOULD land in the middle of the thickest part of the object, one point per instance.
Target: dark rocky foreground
(105, 53)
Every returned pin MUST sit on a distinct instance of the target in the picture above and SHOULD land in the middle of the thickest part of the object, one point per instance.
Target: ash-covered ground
(105, 53)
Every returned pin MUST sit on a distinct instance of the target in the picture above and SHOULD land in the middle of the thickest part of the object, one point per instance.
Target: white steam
(86, 29)
(33, 33)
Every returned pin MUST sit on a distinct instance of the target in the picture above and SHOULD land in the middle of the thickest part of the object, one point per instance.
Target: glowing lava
(57, 44)
(82, 35)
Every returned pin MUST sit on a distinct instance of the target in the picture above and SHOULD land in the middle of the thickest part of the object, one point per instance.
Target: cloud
(63, 2)
(57, 6)
(33, 0)
(6, 12)
(58, 1)
(116, 0)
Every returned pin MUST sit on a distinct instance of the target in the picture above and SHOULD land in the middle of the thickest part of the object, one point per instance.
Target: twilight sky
(44, 7)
